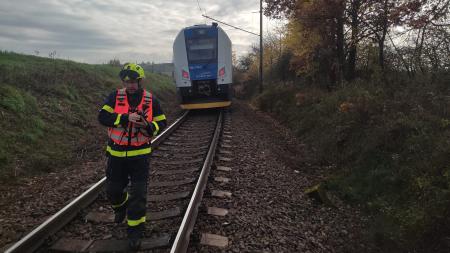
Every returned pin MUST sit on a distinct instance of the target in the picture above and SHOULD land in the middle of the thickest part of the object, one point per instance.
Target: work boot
(135, 237)
(119, 215)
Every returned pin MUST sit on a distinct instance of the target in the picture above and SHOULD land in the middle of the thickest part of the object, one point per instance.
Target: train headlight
(222, 72)
(185, 74)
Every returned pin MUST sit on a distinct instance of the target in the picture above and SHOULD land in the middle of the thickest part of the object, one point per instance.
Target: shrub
(391, 145)
(11, 98)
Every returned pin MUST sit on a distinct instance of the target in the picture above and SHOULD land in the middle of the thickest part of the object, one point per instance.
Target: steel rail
(169, 130)
(37, 236)
(181, 241)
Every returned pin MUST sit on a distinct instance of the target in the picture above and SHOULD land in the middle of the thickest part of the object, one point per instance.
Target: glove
(138, 120)
(141, 123)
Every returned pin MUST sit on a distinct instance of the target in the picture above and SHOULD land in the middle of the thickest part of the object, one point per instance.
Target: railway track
(180, 166)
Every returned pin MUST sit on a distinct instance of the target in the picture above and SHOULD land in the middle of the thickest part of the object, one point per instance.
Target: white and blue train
(203, 67)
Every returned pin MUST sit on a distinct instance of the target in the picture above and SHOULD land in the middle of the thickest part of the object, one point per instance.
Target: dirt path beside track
(269, 211)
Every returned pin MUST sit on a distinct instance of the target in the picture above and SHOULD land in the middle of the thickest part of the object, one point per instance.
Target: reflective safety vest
(131, 136)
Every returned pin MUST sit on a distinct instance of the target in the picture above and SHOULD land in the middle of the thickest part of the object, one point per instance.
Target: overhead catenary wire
(200, 8)
(235, 27)
(260, 35)
(202, 11)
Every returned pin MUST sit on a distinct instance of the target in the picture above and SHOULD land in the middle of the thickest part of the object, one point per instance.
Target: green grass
(391, 145)
(48, 110)
(12, 99)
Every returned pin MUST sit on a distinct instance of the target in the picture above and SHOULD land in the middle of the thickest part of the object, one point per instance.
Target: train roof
(201, 26)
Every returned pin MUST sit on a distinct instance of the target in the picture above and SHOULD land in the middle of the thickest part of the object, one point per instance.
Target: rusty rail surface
(37, 237)
(183, 236)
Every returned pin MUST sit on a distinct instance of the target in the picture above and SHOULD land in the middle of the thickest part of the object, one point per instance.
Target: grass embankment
(48, 111)
(391, 146)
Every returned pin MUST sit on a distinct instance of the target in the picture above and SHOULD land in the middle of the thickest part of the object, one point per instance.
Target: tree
(322, 44)
(114, 62)
(326, 35)
(353, 13)
(280, 8)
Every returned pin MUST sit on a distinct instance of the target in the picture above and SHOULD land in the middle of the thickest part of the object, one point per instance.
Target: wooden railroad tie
(168, 196)
(214, 240)
(222, 179)
(217, 211)
(221, 194)
(225, 159)
(225, 152)
(223, 168)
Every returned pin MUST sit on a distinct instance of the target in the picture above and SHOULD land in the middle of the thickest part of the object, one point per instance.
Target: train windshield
(201, 50)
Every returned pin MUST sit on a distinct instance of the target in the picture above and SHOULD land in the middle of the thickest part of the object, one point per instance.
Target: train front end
(203, 67)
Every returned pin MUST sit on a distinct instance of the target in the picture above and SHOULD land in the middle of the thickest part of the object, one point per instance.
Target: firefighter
(133, 116)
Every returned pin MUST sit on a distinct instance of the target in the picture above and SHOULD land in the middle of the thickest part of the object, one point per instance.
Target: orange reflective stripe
(121, 105)
(121, 137)
(139, 140)
(117, 130)
(147, 100)
(121, 140)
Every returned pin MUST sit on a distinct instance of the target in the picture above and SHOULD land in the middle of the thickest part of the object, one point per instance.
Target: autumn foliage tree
(325, 35)
(365, 83)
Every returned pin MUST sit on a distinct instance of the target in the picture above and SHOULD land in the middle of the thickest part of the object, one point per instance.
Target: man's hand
(138, 120)
(134, 117)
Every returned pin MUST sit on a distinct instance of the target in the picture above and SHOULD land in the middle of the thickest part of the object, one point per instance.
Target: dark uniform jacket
(108, 117)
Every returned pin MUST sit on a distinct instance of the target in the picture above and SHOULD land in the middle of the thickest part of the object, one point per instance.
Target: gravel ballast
(269, 210)
(26, 202)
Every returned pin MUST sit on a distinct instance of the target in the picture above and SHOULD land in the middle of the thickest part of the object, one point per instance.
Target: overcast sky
(95, 31)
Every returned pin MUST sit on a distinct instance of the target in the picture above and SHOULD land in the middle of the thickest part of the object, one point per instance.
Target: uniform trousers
(119, 173)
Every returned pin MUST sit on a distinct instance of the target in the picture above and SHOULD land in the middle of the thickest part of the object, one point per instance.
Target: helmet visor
(127, 74)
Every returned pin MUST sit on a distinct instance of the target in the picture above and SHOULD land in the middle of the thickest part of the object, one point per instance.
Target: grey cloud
(232, 8)
(170, 31)
(61, 28)
(96, 31)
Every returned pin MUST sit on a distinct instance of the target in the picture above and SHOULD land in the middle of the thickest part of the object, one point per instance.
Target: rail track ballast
(180, 166)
